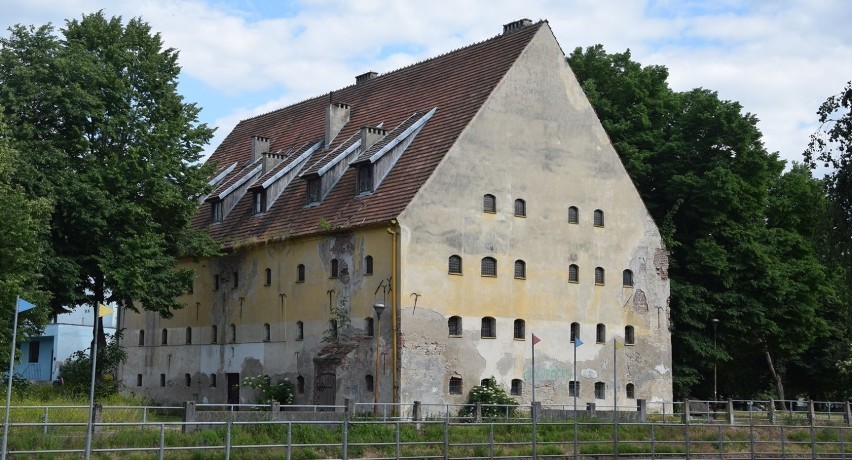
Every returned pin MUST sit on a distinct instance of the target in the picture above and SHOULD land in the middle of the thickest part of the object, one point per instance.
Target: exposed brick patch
(640, 301)
(661, 263)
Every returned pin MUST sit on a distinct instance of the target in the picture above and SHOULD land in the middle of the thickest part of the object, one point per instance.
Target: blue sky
(779, 58)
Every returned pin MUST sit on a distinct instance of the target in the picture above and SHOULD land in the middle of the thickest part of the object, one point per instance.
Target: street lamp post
(378, 307)
(715, 326)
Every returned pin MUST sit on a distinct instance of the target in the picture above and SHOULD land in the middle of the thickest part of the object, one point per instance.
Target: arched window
(599, 275)
(454, 324)
(368, 265)
(573, 274)
(141, 337)
(600, 390)
(573, 215)
(599, 218)
(300, 330)
(489, 266)
(455, 265)
(268, 277)
(489, 203)
(368, 382)
(627, 278)
(164, 337)
(334, 268)
(188, 335)
(631, 391)
(455, 385)
(300, 385)
(575, 331)
(520, 208)
(233, 329)
(368, 327)
(520, 329)
(267, 332)
(520, 269)
(629, 335)
(215, 334)
(300, 273)
(517, 387)
(489, 328)
(600, 336)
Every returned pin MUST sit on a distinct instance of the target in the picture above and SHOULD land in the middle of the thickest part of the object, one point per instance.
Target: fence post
(477, 413)
(396, 439)
(686, 427)
(730, 411)
(685, 414)
(46, 413)
(653, 438)
(289, 439)
(771, 411)
(346, 413)
(228, 440)
(447, 437)
(721, 442)
(162, 441)
(415, 412)
(811, 412)
(490, 440)
(642, 409)
(188, 416)
(751, 428)
(97, 418)
(783, 443)
(847, 413)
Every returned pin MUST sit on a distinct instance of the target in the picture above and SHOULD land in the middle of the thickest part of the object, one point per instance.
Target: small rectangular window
(455, 386)
(35, 348)
(215, 282)
(368, 265)
(365, 178)
(260, 202)
(574, 389)
(314, 190)
(517, 387)
(138, 380)
(216, 213)
(600, 390)
(236, 280)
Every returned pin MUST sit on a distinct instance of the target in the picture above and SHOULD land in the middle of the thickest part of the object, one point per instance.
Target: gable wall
(538, 139)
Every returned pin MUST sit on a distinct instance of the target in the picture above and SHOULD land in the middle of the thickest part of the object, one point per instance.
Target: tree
(110, 141)
(701, 167)
(22, 230)
(831, 145)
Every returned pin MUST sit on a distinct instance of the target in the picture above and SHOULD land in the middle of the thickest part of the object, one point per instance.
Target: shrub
(494, 400)
(76, 371)
(281, 392)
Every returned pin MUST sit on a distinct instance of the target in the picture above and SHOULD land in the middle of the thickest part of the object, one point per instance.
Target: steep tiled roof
(456, 84)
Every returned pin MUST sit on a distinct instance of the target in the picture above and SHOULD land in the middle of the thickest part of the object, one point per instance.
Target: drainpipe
(394, 329)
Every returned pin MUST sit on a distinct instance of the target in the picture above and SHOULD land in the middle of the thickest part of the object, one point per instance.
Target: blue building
(69, 332)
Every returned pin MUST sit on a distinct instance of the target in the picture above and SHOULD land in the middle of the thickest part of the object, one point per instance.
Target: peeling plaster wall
(537, 139)
(250, 306)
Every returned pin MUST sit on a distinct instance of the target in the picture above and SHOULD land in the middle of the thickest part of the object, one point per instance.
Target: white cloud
(779, 59)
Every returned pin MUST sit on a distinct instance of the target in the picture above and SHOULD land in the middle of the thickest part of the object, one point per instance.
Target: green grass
(376, 438)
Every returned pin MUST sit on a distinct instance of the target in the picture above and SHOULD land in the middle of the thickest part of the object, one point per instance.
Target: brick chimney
(517, 25)
(336, 116)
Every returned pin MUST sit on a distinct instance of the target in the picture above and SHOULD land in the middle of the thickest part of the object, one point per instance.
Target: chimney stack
(517, 25)
(365, 77)
(336, 116)
(370, 135)
(259, 146)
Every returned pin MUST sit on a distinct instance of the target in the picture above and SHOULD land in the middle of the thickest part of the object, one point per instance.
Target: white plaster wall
(537, 139)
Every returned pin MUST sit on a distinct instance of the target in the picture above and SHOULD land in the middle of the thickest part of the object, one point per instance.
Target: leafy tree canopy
(740, 249)
(105, 136)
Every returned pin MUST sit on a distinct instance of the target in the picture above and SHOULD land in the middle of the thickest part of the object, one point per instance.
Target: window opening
(573, 274)
(268, 277)
(314, 190)
(489, 328)
(599, 218)
(600, 390)
(629, 335)
(575, 331)
(368, 265)
(520, 208)
(600, 336)
(300, 330)
(368, 327)
(141, 337)
(517, 387)
(455, 265)
(489, 266)
(368, 381)
(574, 389)
(300, 273)
(164, 337)
(489, 203)
(365, 179)
(267, 332)
(520, 269)
(215, 333)
(334, 268)
(455, 385)
(599, 275)
(520, 329)
(630, 390)
(188, 335)
(454, 324)
(573, 215)
(627, 278)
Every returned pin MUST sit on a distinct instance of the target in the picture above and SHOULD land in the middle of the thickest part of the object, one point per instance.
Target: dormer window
(216, 212)
(365, 178)
(314, 190)
(260, 201)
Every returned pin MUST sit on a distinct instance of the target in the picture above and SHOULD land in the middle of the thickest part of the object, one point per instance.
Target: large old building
(474, 195)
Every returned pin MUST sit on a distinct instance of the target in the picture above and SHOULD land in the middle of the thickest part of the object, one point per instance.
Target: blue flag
(23, 305)
(577, 342)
